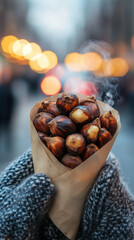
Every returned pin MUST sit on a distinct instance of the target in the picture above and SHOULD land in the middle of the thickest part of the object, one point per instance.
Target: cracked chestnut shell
(109, 122)
(80, 115)
(41, 122)
(49, 107)
(56, 145)
(66, 103)
(90, 149)
(75, 144)
(61, 126)
(104, 137)
(97, 122)
(91, 104)
(90, 131)
(71, 161)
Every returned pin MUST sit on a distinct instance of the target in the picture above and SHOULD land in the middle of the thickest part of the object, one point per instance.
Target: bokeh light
(50, 85)
(75, 84)
(74, 61)
(51, 56)
(119, 67)
(31, 50)
(92, 61)
(18, 47)
(116, 67)
(39, 63)
(7, 41)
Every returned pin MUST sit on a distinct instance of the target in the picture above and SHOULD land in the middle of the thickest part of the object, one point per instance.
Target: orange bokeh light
(31, 50)
(18, 47)
(92, 61)
(52, 58)
(6, 41)
(116, 67)
(83, 62)
(50, 85)
(74, 61)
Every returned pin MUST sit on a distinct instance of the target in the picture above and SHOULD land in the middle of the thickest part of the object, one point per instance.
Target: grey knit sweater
(25, 199)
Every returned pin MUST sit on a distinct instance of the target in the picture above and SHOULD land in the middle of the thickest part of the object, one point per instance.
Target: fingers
(26, 206)
(17, 171)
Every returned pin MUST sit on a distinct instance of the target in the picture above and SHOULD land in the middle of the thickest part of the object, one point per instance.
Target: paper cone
(72, 185)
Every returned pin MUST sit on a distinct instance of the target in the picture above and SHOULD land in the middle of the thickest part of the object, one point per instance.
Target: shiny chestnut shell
(104, 137)
(90, 149)
(91, 104)
(61, 126)
(71, 161)
(75, 144)
(56, 145)
(41, 122)
(42, 136)
(109, 122)
(49, 107)
(90, 131)
(80, 115)
(66, 103)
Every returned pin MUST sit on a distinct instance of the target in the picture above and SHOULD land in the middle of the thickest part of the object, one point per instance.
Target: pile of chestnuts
(73, 130)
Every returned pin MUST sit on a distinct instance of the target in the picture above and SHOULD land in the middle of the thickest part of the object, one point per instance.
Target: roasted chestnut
(91, 104)
(90, 131)
(80, 115)
(61, 126)
(56, 145)
(75, 144)
(97, 122)
(41, 122)
(109, 122)
(42, 136)
(49, 107)
(90, 149)
(104, 137)
(66, 103)
(71, 161)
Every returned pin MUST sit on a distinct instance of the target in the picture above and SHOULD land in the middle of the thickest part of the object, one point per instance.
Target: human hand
(24, 200)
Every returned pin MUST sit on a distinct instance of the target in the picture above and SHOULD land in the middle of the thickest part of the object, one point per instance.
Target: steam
(108, 87)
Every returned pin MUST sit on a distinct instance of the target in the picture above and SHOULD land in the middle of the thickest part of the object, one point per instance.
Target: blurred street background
(81, 46)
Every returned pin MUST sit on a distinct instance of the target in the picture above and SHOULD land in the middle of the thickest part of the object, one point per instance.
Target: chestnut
(97, 122)
(56, 145)
(42, 136)
(104, 137)
(91, 104)
(90, 131)
(109, 122)
(61, 126)
(41, 122)
(49, 107)
(66, 103)
(80, 115)
(71, 161)
(90, 149)
(75, 144)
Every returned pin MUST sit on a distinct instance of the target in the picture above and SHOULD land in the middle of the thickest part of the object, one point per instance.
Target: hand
(109, 208)
(24, 200)
(108, 212)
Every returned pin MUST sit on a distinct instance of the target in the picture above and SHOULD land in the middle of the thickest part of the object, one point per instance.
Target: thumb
(37, 193)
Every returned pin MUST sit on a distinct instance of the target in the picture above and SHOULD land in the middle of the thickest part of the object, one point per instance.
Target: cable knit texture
(25, 199)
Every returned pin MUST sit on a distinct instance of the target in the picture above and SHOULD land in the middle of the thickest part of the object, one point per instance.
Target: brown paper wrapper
(72, 185)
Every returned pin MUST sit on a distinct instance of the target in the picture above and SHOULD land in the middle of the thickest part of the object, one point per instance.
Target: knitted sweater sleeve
(109, 208)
